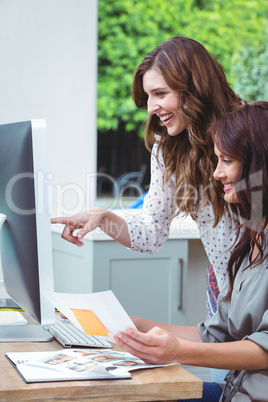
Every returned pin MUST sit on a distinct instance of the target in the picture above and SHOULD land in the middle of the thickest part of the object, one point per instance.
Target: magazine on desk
(75, 364)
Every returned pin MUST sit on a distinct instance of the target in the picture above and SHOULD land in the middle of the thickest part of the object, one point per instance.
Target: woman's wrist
(102, 215)
(142, 324)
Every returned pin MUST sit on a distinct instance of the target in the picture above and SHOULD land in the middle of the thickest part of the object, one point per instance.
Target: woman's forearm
(237, 355)
(162, 343)
(182, 332)
(115, 227)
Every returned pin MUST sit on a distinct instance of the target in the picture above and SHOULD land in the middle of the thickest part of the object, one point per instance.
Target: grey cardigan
(244, 317)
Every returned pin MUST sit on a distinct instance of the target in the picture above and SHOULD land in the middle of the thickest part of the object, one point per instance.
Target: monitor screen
(25, 235)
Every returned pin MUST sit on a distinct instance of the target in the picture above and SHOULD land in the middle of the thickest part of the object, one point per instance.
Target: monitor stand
(24, 333)
(21, 332)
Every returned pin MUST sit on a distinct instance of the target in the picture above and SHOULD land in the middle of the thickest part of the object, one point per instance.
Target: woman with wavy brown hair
(183, 89)
(204, 95)
(189, 70)
(236, 337)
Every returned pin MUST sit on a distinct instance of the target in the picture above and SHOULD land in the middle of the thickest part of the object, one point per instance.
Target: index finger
(62, 220)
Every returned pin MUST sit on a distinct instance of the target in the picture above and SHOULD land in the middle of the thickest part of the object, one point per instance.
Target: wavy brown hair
(188, 68)
(243, 135)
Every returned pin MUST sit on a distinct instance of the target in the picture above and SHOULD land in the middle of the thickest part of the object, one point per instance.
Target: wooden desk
(159, 384)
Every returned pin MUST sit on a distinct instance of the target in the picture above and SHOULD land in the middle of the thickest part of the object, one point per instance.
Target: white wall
(48, 69)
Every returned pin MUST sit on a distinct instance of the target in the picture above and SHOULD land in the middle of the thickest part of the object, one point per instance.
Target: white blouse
(149, 227)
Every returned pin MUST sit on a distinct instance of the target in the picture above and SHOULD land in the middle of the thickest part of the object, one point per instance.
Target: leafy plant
(250, 71)
(232, 30)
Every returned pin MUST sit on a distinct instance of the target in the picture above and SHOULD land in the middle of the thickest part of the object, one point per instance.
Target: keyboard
(68, 335)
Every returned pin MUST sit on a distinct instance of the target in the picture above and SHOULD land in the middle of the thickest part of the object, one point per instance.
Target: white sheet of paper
(11, 318)
(104, 305)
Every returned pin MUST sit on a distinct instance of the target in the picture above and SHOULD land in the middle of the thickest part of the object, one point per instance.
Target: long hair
(188, 68)
(243, 135)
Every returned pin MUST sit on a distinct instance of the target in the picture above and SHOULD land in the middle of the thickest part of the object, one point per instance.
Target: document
(75, 364)
(11, 318)
(98, 314)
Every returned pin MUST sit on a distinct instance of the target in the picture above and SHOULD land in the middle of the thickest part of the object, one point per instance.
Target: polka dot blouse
(149, 227)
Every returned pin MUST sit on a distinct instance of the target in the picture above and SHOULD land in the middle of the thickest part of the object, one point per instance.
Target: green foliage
(129, 29)
(250, 71)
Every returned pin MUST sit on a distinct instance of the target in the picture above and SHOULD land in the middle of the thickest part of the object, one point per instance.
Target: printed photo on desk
(75, 364)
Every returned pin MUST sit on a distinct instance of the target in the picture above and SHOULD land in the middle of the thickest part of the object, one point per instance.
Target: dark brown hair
(187, 67)
(243, 135)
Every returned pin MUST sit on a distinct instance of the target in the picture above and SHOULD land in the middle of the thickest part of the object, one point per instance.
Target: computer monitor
(25, 234)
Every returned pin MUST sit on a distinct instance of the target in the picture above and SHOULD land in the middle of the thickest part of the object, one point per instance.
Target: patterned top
(149, 227)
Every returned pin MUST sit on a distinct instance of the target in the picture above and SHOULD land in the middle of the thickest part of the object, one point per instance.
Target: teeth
(228, 185)
(167, 116)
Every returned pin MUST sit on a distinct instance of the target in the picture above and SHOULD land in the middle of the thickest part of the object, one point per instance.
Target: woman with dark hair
(236, 337)
(250, 148)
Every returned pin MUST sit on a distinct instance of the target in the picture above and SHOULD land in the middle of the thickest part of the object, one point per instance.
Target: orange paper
(90, 322)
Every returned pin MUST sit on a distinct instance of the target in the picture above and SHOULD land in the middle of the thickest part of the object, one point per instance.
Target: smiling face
(228, 172)
(163, 101)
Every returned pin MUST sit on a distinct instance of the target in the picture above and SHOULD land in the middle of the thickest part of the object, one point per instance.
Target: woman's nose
(219, 173)
(152, 106)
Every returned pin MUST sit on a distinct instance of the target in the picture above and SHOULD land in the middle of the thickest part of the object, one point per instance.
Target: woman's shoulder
(157, 155)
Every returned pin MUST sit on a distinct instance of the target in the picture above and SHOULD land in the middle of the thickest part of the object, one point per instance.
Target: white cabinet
(153, 286)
